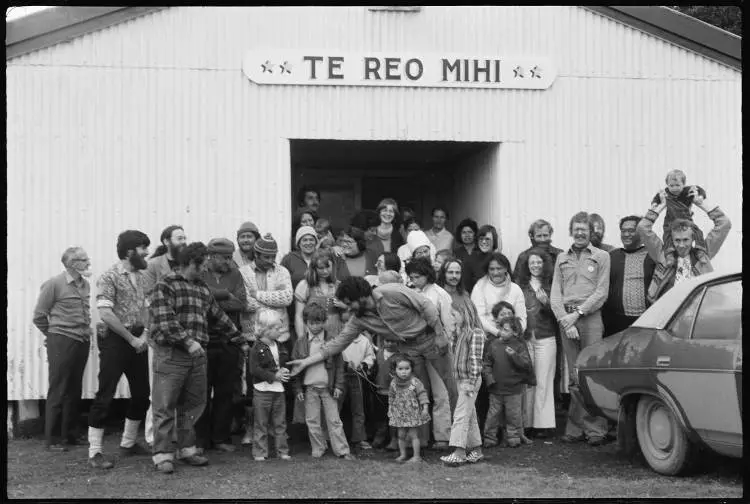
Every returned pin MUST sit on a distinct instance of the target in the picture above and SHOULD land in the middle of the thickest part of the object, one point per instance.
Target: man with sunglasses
(213, 428)
(63, 315)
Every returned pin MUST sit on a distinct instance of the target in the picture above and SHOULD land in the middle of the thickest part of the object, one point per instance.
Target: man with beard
(580, 285)
(63, 315)
(181, 309)
(247, 235)
(394, 312)
(161, 263)
(630, 273)
(597, 235)
(540, 234)
(223, 371)
(308, 197)
(121, 301)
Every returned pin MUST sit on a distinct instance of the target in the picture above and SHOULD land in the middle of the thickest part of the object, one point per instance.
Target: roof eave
(680, 29)
(61, 24)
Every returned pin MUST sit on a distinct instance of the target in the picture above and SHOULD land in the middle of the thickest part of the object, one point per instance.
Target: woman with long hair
(387, 237)
(467, 250)
(497, 285)
(535, 280)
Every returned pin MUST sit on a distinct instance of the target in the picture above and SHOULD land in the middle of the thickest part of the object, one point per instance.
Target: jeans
(269, 410)
(383, 431)
(441, 408)
(465, 429)
(507, 408)
(580, 422)
(116, 357)
(215, 424)
(539, 401)
(179, 397)
(67, 361)
(352, 394)
(314, 398)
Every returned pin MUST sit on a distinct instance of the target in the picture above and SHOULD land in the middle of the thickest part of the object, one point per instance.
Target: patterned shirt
(684, 269)
(634, 288)
(125, 293)
(180, 309)
(273, 292)
(63, 307)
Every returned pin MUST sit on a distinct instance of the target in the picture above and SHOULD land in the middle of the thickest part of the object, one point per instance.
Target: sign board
(331, 68)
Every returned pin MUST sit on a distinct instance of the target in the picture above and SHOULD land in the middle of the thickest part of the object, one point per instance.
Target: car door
(696, 361)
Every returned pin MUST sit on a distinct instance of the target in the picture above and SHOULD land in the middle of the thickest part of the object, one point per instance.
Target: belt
(570, 308)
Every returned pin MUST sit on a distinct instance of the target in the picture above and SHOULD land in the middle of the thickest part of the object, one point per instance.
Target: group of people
(425, 336)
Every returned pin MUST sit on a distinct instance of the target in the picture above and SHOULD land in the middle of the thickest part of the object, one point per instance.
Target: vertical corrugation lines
(152, 122)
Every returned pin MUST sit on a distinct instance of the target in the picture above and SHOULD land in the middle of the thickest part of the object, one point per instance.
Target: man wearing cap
(268, 285)
(63, 315)
(247, 235)
(213, 428)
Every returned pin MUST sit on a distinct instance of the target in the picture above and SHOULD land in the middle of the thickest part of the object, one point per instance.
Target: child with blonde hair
(267, 361)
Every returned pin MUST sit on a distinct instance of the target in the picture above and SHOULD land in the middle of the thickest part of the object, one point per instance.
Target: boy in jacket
(507, 367)
(267, 361)
(320, 384)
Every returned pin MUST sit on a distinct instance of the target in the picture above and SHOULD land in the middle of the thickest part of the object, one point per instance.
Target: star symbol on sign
(267, 67)
(286, 67)
(518, 71)
(536, 72)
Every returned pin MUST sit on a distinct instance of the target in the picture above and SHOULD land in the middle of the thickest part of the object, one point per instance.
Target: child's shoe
(348, 456)
(364, 445)
(526, 440)
(474, 456)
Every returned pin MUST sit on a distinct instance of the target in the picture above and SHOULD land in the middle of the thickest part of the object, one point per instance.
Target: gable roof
(61, 24)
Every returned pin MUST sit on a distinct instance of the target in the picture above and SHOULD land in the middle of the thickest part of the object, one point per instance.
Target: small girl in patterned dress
(408, 405)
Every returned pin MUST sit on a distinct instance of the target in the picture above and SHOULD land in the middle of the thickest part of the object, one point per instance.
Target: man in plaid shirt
(181, 304)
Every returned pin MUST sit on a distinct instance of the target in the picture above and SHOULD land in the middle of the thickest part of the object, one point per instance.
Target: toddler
(408, 407)
(267, 359)
(507, 367)
(384, 364)
(320, 384)
(324, 232)
(678, 201)
(440, 257)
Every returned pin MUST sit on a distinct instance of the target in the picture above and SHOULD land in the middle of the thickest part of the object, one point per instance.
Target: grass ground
(545, 470)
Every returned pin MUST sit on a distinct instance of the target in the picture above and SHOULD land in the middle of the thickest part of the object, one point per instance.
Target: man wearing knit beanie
(213, 428)
(247, 235)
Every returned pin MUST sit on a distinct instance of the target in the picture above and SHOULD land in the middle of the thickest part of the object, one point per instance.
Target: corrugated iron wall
(152, 122)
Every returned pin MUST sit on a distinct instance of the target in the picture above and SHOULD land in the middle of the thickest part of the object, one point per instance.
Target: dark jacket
(524, 257)
(539, 317)
(505, 373)
(262, 364)
(474, 263)
(229, 291)
(334, 366)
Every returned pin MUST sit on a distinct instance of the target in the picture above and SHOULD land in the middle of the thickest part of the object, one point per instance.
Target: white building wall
(152, 122)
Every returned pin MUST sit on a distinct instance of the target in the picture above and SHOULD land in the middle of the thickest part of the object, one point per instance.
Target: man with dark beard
(225, 282)
(597, 235)
(247, 235)
(121, 301)
(540, 234)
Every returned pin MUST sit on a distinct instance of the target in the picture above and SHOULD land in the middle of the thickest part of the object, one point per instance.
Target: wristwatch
(579, 311)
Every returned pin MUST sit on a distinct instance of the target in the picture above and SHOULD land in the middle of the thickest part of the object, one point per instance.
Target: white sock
(95, 441)
(130, 433)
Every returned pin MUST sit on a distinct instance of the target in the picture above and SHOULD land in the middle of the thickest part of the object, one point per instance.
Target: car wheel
(663, 442)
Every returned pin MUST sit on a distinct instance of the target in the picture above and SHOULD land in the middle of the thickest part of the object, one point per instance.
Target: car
(673, 380)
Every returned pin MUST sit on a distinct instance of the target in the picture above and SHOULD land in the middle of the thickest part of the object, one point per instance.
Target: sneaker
(596, 441)
(164, 467)
(453, 460)
(364, 445)
(474, 456)
(136, 449)
(285, 456)
(514, 443)
(99, 462)
(194, 460)
(567, 438)
(225, 447)
(259, 459)
(56, 448)
(348, 456)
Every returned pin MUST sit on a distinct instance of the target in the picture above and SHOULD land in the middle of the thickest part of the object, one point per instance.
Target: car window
(720, 313)
(682, 325)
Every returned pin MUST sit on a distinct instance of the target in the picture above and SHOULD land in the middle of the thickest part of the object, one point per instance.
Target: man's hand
(572, 333)
(466, 387)
(336, 393)
(195, 349)
(252, 292)
(139, 344)
(569, 320)
(298, 366)
(301, 396)
(339, 304)
(509, 351)
(283, 375)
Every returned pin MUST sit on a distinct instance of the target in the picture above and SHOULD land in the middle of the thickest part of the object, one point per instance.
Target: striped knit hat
(266, 245)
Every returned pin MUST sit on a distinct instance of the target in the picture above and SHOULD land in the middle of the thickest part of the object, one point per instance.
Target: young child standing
(408, 407)
(267, 360)
(507, 367)
(320, 384)
(384, 363)
(359, 358)
(679, 198)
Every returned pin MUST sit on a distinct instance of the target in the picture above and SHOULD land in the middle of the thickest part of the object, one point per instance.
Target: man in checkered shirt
(181, 306)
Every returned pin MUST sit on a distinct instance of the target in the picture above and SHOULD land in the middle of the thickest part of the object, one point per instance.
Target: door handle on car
(662, 361)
